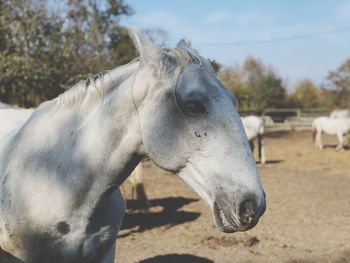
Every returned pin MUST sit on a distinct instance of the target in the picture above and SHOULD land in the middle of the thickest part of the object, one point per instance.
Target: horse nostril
(246, 212)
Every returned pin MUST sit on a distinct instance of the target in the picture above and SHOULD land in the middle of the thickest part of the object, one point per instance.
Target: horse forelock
(178, 57)
(186, 57)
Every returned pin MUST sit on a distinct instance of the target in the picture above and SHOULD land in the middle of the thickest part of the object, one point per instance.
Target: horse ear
(186, 45)
(147, 50)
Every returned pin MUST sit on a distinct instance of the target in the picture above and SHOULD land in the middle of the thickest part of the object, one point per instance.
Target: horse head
(190, 126)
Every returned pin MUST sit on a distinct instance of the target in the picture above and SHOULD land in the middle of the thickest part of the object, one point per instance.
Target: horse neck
(87, 148)
(111, 132)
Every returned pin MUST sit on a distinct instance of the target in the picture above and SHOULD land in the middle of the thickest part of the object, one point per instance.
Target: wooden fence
(277, 120)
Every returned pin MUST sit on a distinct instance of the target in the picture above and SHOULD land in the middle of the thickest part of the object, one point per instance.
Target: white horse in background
(339, 114)
(60, 171)
(138, 190)
(254, 128)
(338, 127)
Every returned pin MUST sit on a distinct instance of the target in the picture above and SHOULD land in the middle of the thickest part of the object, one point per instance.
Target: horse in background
(339, 127)
(138, 190)
(61, 170)
(254, 129)
(339, 114)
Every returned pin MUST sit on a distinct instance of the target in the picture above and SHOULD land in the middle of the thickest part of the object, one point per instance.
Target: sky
(298, 38)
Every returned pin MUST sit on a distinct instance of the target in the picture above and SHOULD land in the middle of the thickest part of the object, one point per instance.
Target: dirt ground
(307, 217)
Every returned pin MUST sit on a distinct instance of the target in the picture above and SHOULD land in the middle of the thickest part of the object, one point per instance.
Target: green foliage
(28, 52)
(339, 81)
(270, 92)
(305, 95)
(255, 85)
(121, 48)
(42, 52)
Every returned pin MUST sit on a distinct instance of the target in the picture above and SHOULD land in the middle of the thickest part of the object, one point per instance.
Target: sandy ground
(307, 217)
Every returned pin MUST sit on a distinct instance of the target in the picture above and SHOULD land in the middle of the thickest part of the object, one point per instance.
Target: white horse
(338, 127)
(12, 118)
(338, 114)
(138, 190)
(4, 105)
(254, 128)
(60, 171)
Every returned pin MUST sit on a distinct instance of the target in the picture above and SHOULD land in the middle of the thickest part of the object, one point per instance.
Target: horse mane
(93, 87)
(84, 88)
(96, 86)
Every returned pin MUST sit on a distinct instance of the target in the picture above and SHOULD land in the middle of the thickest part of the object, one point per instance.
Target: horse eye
(194, 106)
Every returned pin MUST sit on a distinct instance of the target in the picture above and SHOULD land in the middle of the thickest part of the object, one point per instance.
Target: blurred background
(271, 54)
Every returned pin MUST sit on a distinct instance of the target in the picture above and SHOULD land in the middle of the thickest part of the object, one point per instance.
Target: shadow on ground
(168, 216)
(167, 204)
(176, 258)
(334, 146)
(271, 161)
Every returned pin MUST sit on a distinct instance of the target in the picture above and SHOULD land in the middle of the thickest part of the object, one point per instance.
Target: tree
(43, 52)
(122, 49)
(269, 92)
(255, 85)
(339, 80)
(30, 48)
(305, 95)
(233, 79)
(94, 38)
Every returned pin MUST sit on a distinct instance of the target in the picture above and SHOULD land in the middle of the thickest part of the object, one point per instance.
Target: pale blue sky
(208, 21)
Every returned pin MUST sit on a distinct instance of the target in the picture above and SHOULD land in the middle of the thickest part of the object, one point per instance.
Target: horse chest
(77, 239)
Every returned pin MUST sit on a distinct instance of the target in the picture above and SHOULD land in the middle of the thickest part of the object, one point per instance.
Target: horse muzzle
(242, 217)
